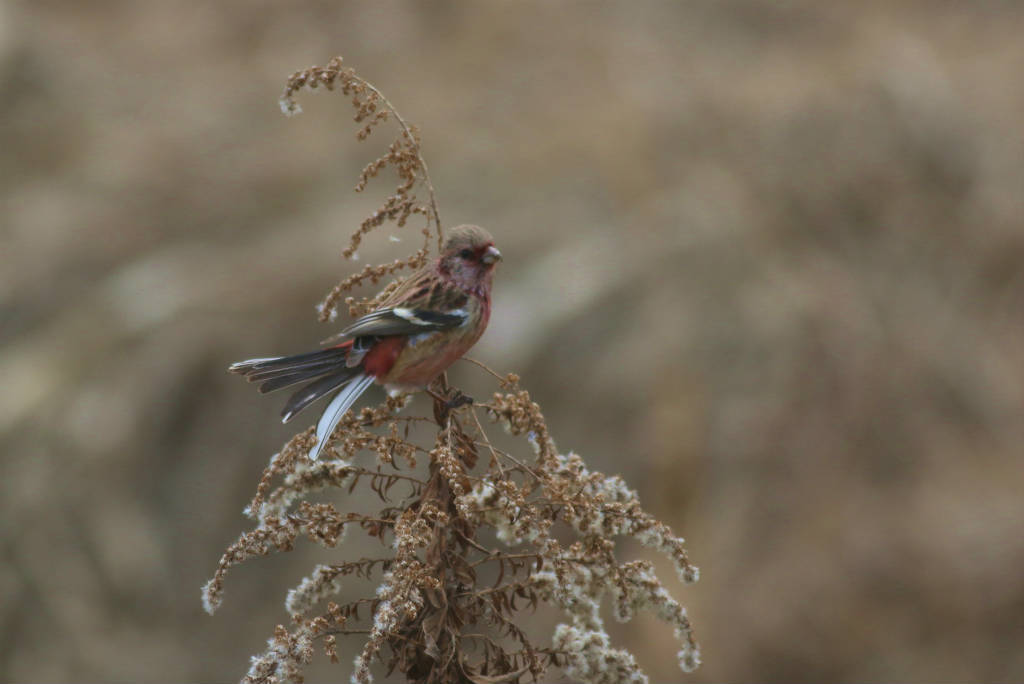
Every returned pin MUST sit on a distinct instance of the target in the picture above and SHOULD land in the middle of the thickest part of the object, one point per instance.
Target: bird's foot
(445, 404)
(457, 399)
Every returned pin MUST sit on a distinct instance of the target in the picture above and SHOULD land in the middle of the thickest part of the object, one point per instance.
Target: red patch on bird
(381, 357)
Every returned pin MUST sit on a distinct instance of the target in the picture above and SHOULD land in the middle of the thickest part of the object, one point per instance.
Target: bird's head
(469, 256)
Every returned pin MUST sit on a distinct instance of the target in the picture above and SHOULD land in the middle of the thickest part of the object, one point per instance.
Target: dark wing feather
(403, 321)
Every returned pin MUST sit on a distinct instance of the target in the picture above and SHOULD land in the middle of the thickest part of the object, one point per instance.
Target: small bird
(414, 336)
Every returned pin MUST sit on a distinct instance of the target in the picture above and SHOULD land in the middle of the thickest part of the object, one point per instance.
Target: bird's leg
(441, 409)
(452, 397)
(448, 399)
(457, 398)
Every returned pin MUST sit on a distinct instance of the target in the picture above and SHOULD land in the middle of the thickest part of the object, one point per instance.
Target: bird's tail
(283, 371)
(329, 371)
(336, 409)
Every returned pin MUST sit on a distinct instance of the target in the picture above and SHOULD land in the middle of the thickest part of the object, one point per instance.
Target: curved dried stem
(411, 135)
(404, 154)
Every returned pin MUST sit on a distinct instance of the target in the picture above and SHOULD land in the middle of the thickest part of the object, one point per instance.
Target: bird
(428, 323)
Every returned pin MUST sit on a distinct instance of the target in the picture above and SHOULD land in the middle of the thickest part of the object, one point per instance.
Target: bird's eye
(466, 254)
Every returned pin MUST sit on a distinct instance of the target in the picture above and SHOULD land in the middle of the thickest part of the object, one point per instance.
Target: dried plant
(473, 511)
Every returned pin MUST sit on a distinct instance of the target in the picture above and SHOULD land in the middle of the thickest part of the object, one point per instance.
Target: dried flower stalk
(403, 155)
(476, 508)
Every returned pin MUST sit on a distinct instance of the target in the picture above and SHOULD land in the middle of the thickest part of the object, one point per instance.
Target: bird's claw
(457, 400)
(444, 406)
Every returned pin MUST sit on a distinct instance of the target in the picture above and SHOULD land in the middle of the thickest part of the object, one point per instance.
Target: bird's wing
(424, 303)
(404, 320)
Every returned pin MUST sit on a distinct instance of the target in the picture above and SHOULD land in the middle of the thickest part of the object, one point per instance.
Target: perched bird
(415, 335)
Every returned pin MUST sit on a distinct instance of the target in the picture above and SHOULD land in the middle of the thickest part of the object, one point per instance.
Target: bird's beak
(491, 255)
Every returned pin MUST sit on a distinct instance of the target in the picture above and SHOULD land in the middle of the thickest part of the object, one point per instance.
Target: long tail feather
(341, 403)
(316, 389)
(265, 369)
(283, 371)
(293, 378)
(329, 369)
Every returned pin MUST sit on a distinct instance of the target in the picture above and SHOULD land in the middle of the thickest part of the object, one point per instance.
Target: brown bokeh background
(765, 259)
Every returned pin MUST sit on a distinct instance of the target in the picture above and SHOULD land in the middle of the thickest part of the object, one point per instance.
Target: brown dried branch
(430, 599)
(432, 618)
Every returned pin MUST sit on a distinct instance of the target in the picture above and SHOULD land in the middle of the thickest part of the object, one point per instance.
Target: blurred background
(766, 259)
